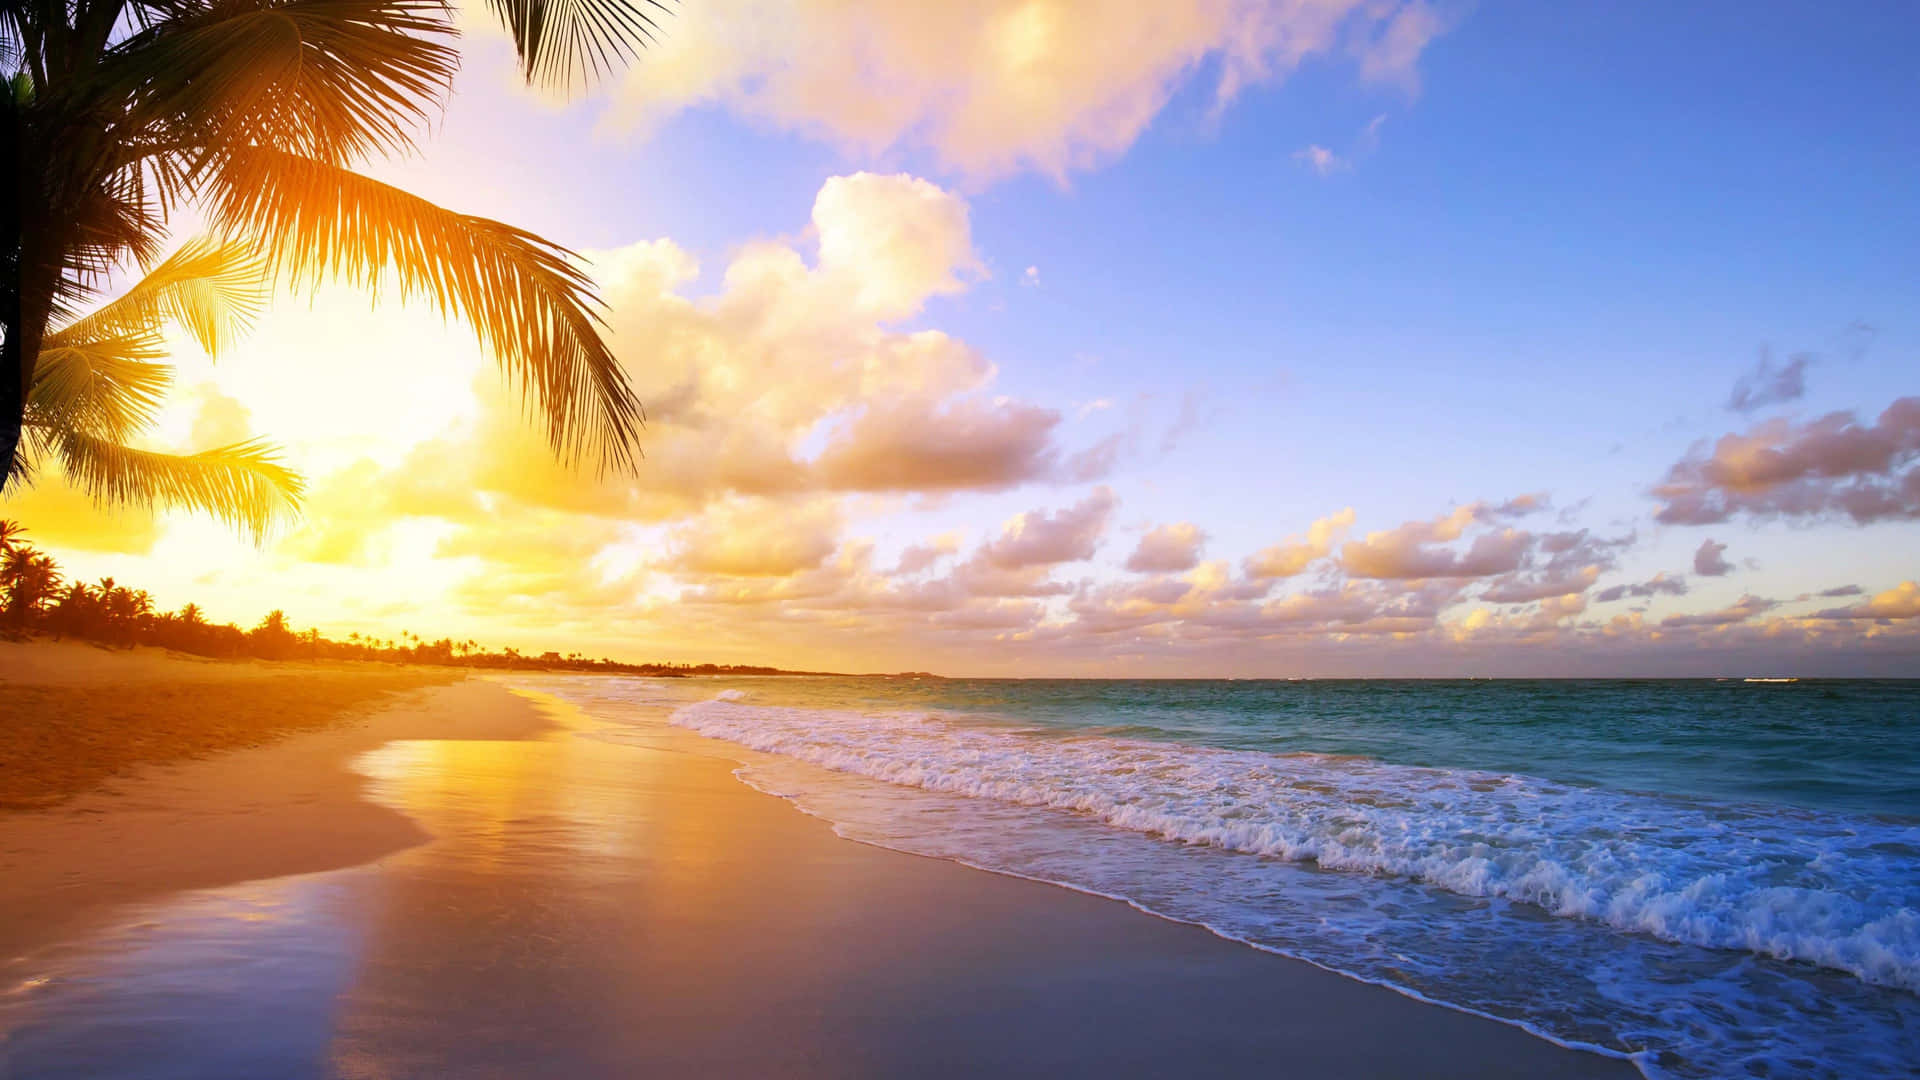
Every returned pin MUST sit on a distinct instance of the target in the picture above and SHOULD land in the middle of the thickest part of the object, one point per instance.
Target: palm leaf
(332, 79)
(214, 288)
(566, 41)
(527, 299)
(244, 485)
(110, 387)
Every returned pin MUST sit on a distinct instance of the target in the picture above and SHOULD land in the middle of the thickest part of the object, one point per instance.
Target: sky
(1196, 338)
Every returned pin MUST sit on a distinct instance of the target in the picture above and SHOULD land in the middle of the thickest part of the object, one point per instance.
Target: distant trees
(36, 598)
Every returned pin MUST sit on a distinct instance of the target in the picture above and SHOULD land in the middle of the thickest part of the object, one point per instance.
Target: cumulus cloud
(1286, 559)
(1711, 560)
(1414, 550)
(921, 557)
(895, 241)
(1745, 608)
(754, 538)
(1657, 585)
(1168, 549)
(1000, 86)
(1519, 590)
(1039, 538)
(1834, 466)
(1769, 385)
(1900, 602)
(790, 380)
(925, 446)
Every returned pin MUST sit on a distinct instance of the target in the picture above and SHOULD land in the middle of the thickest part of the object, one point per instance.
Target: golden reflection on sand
(560, 850)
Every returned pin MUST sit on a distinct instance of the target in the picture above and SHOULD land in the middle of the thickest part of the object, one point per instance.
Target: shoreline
(661, 881)
(1135, 905)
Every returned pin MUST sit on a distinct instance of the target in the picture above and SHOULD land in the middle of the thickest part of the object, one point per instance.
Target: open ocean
(1716, 877)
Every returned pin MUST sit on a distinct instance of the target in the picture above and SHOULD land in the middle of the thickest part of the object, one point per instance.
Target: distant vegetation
(36, 598)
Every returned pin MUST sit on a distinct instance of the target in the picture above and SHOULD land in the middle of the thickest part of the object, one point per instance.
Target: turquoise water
(1713, 878)
(1851, 745)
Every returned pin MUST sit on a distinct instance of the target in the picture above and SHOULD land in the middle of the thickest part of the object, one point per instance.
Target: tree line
(37, 598)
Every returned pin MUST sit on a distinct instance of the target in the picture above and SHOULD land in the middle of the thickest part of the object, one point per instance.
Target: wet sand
(77, 715)
(569, 906)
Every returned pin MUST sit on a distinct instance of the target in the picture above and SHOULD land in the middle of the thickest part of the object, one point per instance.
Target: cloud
(1767, 385)
(895, 241)
(219, 419)
(1657, 585)
(920, 557)
(1326, 162)
(1370, 135)
(1900, 602)
(1746, 608)
(1321, 160)
(1517, 590)
(1710, 560)
(1038, 538)
(790, 380)
(1412, 550)
(1286, 559)
(757, 538)
(996, 87)
(1031, 277)
(922, 446)
(1843, 590)
(1168, 549)
(1833, 466)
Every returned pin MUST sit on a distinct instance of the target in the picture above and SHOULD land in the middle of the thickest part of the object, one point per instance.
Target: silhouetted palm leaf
(244, 484)
(213, 288)
(562, 42)
(330, 79)
(108, 387)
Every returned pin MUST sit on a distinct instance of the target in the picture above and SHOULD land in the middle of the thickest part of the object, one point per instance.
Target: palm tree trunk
(14, 378)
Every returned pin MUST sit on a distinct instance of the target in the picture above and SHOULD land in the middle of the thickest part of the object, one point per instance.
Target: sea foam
(1836, 891)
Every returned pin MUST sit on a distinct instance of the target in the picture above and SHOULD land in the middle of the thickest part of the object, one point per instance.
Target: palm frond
(110, 387)
(214, 288)
(527, 299)
(562, 42)
(331, 79)
(244, 485)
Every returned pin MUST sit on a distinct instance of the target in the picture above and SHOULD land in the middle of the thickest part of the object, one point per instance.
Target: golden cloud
(994, 87)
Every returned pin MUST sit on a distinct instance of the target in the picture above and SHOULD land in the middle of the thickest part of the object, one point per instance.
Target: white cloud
(994, 87)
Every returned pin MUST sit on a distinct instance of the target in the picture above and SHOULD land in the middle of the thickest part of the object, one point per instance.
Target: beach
(472, 880)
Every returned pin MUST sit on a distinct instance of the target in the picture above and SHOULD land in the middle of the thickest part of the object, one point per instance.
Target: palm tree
(118, 113)
(10, 534)
(30, 580)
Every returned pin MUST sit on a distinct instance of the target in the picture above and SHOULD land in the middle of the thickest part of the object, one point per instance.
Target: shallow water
(1718, 877)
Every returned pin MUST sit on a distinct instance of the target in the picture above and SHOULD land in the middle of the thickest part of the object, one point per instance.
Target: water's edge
(743, 773)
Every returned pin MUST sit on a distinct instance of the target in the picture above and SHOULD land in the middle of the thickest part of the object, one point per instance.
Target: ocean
(1711, 877)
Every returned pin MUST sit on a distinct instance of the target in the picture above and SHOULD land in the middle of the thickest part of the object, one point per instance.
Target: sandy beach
(465, 880)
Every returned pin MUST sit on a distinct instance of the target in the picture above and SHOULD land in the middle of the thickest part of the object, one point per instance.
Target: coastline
(527, 893)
